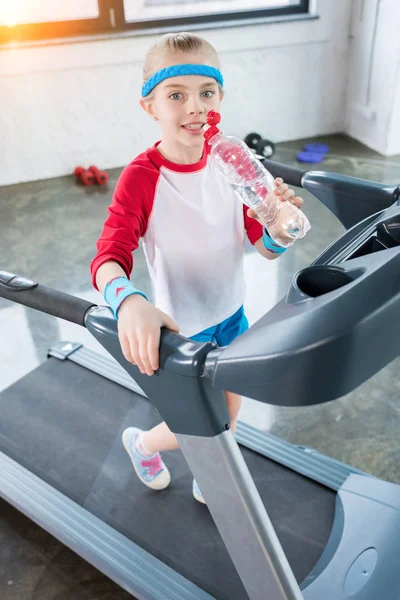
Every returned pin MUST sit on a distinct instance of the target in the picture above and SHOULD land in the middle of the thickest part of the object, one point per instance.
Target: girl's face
(181, 104)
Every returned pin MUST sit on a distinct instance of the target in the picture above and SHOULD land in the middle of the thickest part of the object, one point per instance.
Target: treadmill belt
(64, 423)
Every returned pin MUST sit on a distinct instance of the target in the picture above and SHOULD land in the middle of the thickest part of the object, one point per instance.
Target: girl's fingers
(136, 355)
(289, 195)
(281, 189)
(298, 201)
(144, 354)
(153, 344)
(126, 350)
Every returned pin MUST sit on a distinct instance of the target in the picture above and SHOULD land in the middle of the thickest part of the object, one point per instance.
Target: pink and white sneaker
(151, 470)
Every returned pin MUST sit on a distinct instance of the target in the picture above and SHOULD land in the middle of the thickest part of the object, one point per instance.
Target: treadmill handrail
(301, 335)
(178, 354)
(350, 199)
(48, 300)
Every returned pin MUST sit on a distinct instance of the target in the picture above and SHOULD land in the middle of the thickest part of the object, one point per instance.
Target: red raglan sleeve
(127, 220)
(253, 228)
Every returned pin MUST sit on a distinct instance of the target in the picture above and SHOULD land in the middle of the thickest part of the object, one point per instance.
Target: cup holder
(373, 244)
(388, 232)
(387, 235)
(320, 279)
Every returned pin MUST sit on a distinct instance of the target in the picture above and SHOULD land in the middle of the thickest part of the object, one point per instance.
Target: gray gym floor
(48, 232)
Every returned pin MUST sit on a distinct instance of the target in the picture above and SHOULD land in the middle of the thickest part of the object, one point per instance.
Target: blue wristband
(270, 245)
(117, 290)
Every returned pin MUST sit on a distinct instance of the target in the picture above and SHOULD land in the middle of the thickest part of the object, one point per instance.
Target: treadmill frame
(348, 561)
(114, 554)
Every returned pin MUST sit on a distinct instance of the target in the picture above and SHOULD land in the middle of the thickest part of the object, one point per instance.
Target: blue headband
(177, 70)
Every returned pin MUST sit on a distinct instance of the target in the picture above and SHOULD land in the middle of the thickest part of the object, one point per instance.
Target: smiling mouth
(194, 126)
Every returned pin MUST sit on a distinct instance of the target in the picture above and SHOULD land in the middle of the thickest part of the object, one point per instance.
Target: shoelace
(153, 466)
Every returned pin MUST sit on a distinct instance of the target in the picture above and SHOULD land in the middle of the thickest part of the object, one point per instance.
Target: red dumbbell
(101, 177)
(84, 176)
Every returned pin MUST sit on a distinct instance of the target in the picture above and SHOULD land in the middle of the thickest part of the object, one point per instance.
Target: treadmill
(282, 522)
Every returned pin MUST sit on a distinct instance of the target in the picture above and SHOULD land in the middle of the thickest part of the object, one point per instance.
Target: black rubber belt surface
(64, 423)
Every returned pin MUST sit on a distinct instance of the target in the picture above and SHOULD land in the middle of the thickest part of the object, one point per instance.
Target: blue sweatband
(270, 245)
(176, 71)
(117, 290)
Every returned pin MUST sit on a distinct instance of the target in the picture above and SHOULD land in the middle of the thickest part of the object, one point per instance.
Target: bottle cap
(213, 118)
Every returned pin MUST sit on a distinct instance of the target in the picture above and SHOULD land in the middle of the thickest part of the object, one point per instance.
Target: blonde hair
(176, 43)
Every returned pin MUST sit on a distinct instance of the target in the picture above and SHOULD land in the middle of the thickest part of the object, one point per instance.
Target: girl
(193, 229)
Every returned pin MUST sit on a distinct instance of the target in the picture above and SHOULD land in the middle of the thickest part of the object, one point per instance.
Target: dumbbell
(101, 177)
(262, 148)
(84, 176)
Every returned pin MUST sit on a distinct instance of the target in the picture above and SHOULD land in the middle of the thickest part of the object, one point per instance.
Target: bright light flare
(10, 12)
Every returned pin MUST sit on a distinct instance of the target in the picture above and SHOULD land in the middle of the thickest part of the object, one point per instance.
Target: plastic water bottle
(255, 185)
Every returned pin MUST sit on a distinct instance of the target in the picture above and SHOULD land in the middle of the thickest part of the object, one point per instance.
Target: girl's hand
(139, 331)
(284, 193)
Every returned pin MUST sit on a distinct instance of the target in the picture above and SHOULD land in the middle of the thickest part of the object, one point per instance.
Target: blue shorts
(224, 333)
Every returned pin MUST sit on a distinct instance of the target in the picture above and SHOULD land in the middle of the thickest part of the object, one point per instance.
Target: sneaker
(150, 469)
(197, 493)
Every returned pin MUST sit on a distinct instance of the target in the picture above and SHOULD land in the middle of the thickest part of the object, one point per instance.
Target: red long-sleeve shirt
(192, 226)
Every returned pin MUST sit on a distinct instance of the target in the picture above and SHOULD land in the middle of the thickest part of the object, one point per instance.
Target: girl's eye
(176, 96)
(208, 94)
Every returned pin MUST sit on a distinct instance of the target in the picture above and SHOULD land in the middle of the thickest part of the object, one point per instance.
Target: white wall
(393, 140)
(373, 105)
(77, 103)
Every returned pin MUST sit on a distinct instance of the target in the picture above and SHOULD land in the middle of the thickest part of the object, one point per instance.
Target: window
(145, 13)
(156, 9)
(41, 19)
(24, 12)
(44, 19)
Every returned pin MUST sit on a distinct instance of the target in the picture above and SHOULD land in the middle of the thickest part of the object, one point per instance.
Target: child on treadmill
(193, 229)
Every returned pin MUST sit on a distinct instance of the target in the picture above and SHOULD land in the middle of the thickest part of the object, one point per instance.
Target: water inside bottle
(254, 186)
(283, 224)
(248, 195)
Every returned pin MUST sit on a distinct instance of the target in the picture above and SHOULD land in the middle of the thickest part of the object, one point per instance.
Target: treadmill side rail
(131, 567)
(363, 550)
